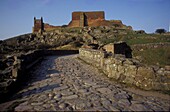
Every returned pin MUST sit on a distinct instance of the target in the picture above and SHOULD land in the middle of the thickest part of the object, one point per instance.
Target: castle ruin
(40, 26)
(82, 19)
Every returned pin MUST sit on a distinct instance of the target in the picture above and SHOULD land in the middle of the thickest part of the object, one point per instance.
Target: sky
(16, 16)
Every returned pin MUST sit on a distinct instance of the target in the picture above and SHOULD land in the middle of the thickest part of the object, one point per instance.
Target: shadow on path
(39, 73)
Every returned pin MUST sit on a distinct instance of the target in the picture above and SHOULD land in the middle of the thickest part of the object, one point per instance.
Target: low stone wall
(129, 71)
(14, 68)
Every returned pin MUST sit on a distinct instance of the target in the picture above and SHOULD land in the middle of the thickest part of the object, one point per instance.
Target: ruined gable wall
(89, 15)
(95, 15)
(90, 18)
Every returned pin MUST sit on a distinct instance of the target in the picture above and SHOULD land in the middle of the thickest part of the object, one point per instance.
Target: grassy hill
(74, 38)
(158, 54)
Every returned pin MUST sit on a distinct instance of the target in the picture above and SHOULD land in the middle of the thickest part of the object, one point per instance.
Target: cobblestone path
(66, 83)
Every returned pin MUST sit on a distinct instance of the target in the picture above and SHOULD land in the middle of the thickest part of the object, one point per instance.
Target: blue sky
(16, 16)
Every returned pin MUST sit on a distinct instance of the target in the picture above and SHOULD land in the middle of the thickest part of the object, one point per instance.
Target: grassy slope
(158, 56)
(132, 39)
(155, 56)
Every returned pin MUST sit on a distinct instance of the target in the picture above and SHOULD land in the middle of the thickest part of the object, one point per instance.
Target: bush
(160, 31)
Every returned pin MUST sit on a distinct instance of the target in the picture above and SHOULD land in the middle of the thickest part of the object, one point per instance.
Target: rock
(80, 105)
(112, 108)
(83, 90)
(23, 108)
(97, 31)
(128, 62)
(100, 109)
(146, 72)
(63, 105)
(90, 83)
(106, 103)
(46, 105)
(37, 103)
(57, 96)
(104, 90)
(69, 108)
(66, 93)
(39, 108)
(122, 96)
(70, 97)
(124, 103)
(138, 107)
(167, 68)
(59, 88)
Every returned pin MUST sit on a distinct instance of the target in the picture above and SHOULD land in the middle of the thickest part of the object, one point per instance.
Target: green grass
(132, 39)
(143, 41)
(155, 56)
(147, 38)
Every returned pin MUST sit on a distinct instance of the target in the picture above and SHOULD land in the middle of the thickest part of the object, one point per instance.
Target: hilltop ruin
(82, 19)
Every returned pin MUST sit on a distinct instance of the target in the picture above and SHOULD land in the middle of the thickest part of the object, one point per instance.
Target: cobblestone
(65, 83)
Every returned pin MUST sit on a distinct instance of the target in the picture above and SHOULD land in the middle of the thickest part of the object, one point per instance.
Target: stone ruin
(117, 49)
(94, 19)
(81, 19)
(120, 48)
(126, 70)
(40, 26)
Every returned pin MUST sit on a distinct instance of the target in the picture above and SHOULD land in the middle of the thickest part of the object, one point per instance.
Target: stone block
(131, 71)
(14, 72)
(146, 72)
(129, 80)
(121, 69)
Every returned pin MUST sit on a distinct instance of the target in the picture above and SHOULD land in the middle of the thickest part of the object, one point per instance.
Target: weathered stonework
(128, 71)
(93, 19)
(81, 19)
(119, 48)
(40, 26)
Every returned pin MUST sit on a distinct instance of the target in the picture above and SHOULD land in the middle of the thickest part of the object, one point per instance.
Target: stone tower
(38, 25)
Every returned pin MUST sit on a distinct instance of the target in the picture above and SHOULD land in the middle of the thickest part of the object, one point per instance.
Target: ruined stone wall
(48, 27)
(94, 19)
(128, 71)
(119, 48)
(90, 18)
(14, 69)
(88, 15)
(38, 25)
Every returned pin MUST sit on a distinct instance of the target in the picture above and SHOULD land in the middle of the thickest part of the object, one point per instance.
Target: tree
(160, 31)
